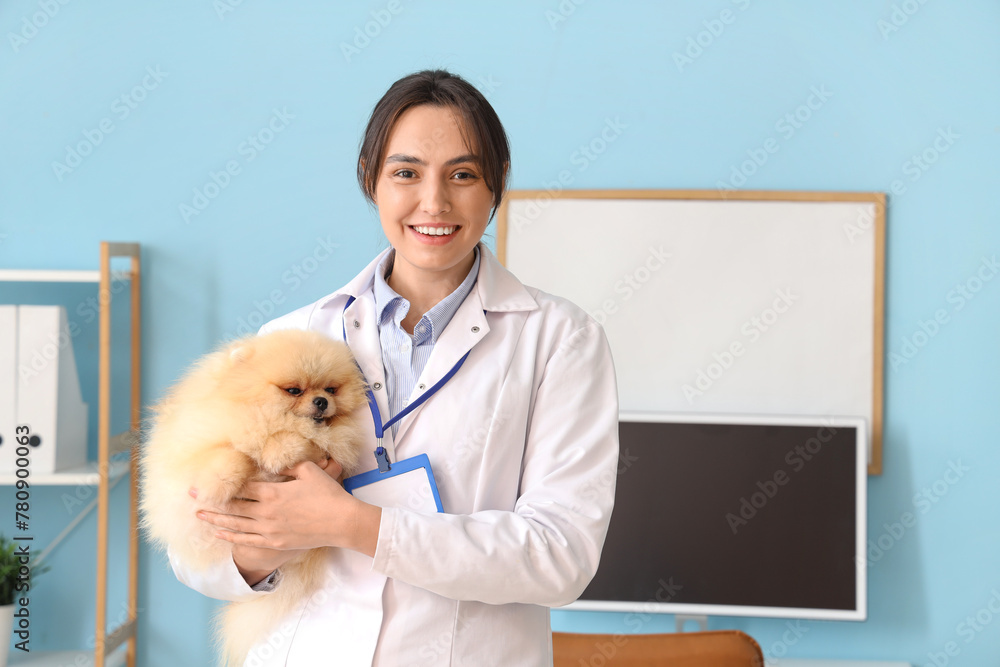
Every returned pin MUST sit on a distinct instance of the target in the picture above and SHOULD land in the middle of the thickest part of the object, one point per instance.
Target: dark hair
(483, 130)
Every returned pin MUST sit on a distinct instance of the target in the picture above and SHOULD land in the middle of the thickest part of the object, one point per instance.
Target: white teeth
(436, 231)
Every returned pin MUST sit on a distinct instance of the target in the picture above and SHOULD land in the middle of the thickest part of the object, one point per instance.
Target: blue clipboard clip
(410, 465)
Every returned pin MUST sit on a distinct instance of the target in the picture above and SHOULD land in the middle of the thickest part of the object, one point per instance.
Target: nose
(434, 198)
(320, 403)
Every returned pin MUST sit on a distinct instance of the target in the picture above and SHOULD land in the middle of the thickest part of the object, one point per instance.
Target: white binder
(48, 390)
(8, 387)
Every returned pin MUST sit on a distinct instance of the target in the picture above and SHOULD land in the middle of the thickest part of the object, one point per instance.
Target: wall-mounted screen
(737, 516)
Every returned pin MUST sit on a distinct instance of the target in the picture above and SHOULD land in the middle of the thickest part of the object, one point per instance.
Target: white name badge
(407, 484)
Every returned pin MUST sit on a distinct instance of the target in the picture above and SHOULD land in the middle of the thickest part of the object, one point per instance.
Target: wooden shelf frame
(106, 642)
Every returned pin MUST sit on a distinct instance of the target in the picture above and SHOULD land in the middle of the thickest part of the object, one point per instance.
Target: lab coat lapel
(467, 327)
(359, 326)
(362, 337)
(364, 343)
(496, 290)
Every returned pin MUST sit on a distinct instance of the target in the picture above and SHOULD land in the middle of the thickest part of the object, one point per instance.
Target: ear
(240, 353)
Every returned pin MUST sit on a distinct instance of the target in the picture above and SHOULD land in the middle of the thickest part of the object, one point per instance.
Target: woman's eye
(405, 173)
(294, 391)
(331, 390)
(465, 176)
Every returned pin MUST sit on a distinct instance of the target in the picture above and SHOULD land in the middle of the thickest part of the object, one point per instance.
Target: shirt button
(357, 324)
(377, 386)
(475, 329)
(421, 387)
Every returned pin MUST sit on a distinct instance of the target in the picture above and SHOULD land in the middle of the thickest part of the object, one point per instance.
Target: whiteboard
(760, 303)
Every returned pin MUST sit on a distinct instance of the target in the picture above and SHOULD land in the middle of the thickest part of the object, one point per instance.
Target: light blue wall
(555, 84)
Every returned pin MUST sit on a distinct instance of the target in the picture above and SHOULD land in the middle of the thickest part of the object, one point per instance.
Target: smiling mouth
(447, 230)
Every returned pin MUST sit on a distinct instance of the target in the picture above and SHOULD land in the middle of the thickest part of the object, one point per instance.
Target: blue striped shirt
(404, 356)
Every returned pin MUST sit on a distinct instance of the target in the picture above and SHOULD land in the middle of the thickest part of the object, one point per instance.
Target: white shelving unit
(57, 276)
(86, 475)
(118, 647)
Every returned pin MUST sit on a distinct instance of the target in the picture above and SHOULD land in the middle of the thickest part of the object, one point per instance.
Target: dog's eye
(331, 390)
(294, 391)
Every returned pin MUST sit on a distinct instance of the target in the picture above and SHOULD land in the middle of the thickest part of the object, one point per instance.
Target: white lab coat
(523, 442)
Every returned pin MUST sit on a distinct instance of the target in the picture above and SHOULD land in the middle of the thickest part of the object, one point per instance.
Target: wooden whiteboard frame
(878, 284)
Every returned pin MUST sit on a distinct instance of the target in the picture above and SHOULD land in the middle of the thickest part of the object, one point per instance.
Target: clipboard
(407, 484)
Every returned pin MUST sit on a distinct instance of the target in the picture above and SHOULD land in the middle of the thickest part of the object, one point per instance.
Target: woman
(522, 437)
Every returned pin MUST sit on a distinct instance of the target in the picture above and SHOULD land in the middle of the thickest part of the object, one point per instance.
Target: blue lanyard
(381, 455)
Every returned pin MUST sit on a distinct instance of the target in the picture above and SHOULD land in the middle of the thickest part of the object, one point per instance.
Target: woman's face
(431, 197)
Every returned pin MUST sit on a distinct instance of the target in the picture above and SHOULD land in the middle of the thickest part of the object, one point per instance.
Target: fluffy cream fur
(245, 412)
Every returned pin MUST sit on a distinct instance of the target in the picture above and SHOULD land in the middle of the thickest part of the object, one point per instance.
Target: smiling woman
(522, 419)
(434, 206)
(443, 159)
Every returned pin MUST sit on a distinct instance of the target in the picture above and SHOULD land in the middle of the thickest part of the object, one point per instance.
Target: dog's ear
(240, 353)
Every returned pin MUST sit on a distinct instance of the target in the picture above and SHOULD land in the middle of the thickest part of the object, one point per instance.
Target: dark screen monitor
(737, 516)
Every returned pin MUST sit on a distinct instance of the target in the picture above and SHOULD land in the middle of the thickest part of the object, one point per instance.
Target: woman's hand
(308, 511)
(254, 563)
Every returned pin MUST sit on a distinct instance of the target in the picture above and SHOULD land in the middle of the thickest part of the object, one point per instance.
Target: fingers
(240, 524)
(239, 533)
(332, 468)
(299, 469)
(265, 492)
(245, 539)
(235, 529)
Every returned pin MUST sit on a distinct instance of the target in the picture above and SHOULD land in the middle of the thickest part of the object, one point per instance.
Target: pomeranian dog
(246, 412)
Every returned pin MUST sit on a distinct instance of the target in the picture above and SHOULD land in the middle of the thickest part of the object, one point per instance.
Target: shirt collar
(391, 307)
(385, 296)
(498, 289)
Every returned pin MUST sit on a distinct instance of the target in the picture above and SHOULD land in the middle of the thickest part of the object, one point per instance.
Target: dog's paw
(283, 450)
(221, 473)
(214, 491)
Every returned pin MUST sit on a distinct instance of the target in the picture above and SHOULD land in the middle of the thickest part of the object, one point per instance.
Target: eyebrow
(409, 159)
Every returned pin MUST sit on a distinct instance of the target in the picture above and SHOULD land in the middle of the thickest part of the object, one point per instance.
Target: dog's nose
(320, 403)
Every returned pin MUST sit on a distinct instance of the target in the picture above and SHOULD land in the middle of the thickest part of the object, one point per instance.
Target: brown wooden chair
(726, 648)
